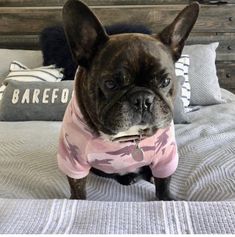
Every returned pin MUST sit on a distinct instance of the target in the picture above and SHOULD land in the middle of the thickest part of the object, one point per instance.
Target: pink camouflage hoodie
(79, 149)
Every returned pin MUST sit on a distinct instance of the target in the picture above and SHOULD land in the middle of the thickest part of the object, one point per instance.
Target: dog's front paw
(164, 198)
(77, 188)
(77, 197)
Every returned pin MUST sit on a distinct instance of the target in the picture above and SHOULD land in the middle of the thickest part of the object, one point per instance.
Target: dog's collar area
(133, 134)
(131, 138)
(137, 153)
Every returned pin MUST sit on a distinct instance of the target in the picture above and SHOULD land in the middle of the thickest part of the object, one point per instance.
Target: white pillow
(20, 72)
(205, 88)
(31, 58)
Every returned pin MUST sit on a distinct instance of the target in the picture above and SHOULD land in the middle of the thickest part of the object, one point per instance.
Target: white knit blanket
(95, 217)
(33, 192)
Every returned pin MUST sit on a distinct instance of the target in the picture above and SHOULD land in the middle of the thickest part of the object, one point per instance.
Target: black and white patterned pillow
(181, 69)
(20, 72)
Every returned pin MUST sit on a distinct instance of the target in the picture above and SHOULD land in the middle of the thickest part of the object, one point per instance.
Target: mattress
(34, 193)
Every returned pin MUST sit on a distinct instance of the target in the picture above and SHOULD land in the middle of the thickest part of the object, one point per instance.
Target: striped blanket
(33, 192)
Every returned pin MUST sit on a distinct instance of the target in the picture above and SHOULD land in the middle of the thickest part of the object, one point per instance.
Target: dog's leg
(77, 188)
(162, 188)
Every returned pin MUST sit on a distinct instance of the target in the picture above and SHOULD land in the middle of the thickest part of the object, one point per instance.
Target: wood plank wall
(21, 21)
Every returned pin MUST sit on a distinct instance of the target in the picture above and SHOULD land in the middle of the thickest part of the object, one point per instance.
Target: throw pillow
(181, 69)
(20, 72)
(32, 58)
(179, 114)
(37, 100)
(205, 88)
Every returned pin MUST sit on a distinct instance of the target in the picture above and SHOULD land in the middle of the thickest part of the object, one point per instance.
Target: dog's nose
(142, 101)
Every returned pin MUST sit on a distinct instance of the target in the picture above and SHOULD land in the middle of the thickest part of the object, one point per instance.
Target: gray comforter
(33, 192)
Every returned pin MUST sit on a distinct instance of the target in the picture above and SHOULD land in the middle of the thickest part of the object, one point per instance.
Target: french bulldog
(119, 120)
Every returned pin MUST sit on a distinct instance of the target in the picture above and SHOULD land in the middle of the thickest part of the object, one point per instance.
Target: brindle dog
(125, 82)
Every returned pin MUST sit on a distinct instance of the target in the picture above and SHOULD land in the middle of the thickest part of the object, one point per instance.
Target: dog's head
(126, 82)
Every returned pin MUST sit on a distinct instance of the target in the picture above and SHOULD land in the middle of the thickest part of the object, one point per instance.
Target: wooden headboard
(21, 21)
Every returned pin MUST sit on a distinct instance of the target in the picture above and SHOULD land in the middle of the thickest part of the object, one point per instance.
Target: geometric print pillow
(20, 72)
(181, 69)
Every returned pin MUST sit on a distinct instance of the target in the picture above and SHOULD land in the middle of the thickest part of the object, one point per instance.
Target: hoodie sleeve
(71, 157)
(166, 158)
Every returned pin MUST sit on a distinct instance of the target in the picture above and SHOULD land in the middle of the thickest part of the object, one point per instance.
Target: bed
(34, 194)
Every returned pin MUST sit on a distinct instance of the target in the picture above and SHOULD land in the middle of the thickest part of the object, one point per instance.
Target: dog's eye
(121, 78)
(111, 84)
(165, 82)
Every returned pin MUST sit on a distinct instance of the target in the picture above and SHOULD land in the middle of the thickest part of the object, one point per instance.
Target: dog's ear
(175, 35)
(84, 32)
